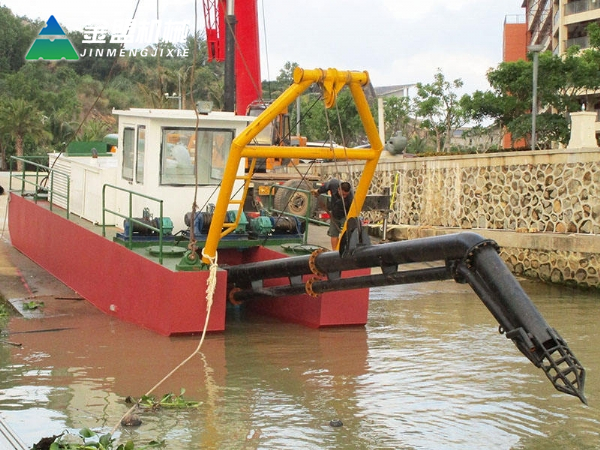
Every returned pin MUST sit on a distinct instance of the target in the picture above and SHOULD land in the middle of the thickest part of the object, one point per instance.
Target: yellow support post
(361, 191)
(331, 82)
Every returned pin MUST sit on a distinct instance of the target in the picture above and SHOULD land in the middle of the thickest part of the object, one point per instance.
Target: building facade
(539, 16)
(557, 25)
(514, 48)
(570, 19)
(515, 42)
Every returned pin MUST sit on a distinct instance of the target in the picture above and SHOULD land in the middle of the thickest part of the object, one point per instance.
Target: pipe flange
(231, 296)
(309, 286)
(473, 250)
(312, 262)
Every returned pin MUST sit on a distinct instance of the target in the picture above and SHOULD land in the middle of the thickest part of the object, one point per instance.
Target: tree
(340, 124)
(94, 130)
(20, 120)
(397, 115)
(593, 31)
(570, 80)
(562, 84)
(61, 127)
(550, 128)
(50, 87)
(439, 106)
(16, 36)
(273, 89)
(481, 106)
(509, 99)
(98, 67)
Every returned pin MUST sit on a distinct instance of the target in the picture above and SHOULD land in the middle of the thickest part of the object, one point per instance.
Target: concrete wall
(542, 207)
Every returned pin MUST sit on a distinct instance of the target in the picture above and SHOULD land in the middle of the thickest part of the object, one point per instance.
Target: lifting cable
(192, 243)
(256, 88)
(242, 57)
(352, 178)
(295, 166)
(266, 45)
(330, 133)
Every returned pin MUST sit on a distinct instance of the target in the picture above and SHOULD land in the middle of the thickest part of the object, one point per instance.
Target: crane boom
(212, 21)
(247, 52)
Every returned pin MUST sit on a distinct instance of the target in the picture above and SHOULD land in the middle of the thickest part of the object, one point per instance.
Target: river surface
(428, 371)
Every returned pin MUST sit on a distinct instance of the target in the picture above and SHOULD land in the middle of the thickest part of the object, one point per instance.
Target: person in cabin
(341, 199)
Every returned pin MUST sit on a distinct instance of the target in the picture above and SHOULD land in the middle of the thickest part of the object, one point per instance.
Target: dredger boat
(184, 172)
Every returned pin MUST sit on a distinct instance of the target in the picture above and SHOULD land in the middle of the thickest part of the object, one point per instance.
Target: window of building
(182, 158)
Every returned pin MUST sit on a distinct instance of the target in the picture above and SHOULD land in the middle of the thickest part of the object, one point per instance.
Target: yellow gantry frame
(331, 82)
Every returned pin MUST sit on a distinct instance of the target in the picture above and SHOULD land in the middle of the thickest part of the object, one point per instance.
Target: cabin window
(182, 158)
(139, 156)
(128, 153)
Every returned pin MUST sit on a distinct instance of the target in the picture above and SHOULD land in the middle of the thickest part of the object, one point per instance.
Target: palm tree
(20, 120)
(61, 128)
(93, 130)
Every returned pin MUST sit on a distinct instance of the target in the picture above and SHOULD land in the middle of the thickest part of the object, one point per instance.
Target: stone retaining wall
(535, 199)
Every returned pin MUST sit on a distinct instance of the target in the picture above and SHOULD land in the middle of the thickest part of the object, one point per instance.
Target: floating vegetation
(167, 401)
(33, 305)
(90, 440)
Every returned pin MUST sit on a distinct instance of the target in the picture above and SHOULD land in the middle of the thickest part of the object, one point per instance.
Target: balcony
(583, 42)
(579, 6)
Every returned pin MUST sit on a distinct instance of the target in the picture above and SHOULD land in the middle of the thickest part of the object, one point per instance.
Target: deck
(176, 244)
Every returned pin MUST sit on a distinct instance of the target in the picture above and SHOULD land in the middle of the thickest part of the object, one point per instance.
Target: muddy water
(429, 371)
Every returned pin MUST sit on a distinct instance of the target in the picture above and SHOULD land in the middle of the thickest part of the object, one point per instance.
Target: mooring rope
(211, 284)
(213, 268)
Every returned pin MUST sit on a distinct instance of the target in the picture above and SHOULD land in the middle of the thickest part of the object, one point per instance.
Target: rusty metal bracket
(312, 262)
(309, 286)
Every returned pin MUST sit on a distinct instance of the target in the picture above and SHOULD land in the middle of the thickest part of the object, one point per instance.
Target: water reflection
(428, 371)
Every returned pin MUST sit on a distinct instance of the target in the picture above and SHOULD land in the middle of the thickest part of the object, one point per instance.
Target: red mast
(247, 49)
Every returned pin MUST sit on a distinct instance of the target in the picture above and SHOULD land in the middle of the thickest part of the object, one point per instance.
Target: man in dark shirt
(341, 199)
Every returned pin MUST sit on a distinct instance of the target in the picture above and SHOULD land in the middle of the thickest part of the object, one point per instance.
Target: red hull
(132, 288)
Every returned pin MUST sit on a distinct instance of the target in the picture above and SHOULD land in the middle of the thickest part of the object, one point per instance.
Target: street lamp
(178, 97)
(535, 49)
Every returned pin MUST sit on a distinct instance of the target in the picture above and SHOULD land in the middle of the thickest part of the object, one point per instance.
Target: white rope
(211, 284)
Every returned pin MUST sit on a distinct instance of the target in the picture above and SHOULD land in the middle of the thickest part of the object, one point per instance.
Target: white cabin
(157, 156)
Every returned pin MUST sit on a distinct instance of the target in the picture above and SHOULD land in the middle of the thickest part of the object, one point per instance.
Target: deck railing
(131, 220)
(39, 181)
